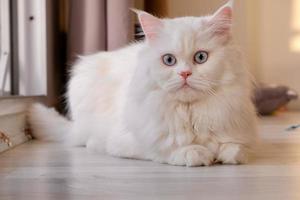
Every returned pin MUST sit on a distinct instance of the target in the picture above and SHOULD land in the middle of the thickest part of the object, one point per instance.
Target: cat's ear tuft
(151, 25)
(221, 21)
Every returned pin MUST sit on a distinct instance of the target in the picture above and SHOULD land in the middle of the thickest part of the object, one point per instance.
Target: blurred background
(40, 39)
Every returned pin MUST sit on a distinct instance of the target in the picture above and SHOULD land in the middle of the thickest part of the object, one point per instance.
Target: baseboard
(13, 125)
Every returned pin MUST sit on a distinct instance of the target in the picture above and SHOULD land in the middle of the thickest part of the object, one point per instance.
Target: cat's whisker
(199, 83)
(212, 92)
(212, 82)
(173, 84)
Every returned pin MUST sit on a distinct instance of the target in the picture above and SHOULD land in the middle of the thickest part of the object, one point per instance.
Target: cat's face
(187, 55)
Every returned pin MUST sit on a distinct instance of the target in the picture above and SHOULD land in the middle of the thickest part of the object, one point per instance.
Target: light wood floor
(40, 171)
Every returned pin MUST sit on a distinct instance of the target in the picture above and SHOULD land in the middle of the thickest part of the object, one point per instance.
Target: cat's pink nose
(185, 74)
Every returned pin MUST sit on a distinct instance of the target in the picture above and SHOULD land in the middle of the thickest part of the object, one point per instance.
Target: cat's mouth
(186, 86)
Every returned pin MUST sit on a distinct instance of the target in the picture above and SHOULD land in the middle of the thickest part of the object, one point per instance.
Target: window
(23, 48)
(5, 85)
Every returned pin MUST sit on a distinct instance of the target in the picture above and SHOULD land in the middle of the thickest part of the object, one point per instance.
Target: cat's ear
(151, 25)
(221, 21)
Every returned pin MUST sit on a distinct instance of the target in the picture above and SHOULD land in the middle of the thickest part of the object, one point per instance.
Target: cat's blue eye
(200, 57)
(169, 60)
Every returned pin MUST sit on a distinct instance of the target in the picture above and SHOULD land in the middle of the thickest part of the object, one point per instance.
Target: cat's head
(186, 56)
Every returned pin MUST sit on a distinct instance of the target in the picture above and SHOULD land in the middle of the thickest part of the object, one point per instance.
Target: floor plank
(45, 171)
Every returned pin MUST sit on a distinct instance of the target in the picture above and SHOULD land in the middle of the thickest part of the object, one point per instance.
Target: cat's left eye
(200, 57)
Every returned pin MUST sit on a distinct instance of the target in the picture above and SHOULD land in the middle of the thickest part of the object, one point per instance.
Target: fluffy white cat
(182, 97)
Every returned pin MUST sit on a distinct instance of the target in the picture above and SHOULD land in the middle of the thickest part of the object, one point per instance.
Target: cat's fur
(129, 104)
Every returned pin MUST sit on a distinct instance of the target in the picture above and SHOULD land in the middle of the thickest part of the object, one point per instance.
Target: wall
(279, 32)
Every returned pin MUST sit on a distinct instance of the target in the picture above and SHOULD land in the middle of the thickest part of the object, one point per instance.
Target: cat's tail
(47, 124)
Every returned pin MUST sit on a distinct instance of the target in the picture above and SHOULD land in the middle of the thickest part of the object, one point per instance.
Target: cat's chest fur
(170, 122)
(188, 122)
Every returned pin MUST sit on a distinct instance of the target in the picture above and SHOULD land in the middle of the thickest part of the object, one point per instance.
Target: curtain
(82, 27)
(98, 25)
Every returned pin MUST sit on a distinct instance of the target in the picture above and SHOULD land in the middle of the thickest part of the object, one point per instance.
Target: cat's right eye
(169, 59)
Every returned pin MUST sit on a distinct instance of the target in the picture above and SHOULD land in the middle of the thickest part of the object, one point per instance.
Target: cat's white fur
(127, 103)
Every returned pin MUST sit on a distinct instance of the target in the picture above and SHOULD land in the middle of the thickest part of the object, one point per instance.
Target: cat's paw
(192, 156)
(232, 154)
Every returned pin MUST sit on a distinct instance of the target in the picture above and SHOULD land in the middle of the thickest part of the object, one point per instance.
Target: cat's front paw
(192, 156)
(232, 154)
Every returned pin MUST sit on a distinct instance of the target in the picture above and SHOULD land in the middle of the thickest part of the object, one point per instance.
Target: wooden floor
(40, 171)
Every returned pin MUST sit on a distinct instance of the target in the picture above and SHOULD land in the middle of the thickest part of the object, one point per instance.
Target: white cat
(181, 97)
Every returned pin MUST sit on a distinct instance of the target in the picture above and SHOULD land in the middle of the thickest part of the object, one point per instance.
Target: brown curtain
(98, 25)
(82, 27)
